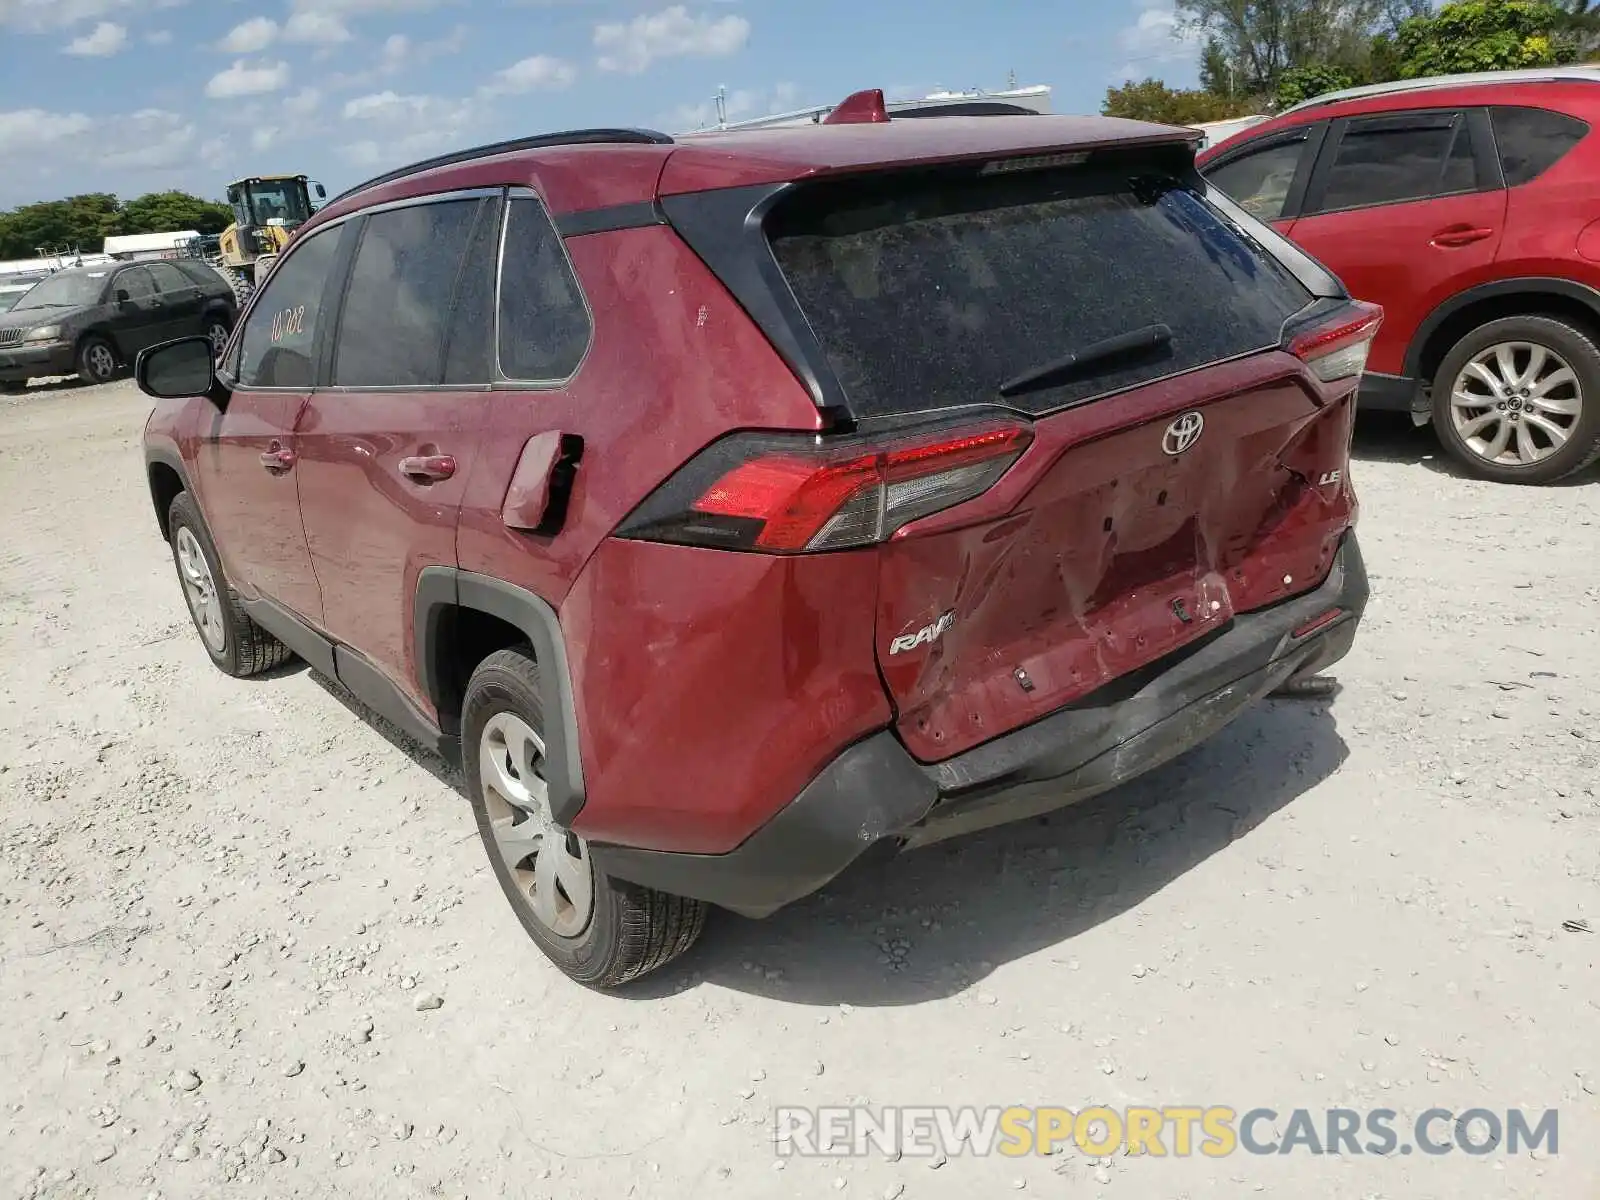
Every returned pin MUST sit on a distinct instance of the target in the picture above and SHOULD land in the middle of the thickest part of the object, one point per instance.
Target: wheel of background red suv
(1518, 400)
(235, 643)
(600, 932)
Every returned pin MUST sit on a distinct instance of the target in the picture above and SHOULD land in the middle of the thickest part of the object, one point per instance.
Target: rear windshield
(928, 292)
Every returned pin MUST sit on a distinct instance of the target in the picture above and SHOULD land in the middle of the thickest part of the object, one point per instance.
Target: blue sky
(130, 96)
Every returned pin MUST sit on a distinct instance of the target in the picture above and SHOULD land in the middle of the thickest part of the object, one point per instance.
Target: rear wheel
(600, 932)
(236, 644)
(1518, 400)
(217, 332)
(97, 361)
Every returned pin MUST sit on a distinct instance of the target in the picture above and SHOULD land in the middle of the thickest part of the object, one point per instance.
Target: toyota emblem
(1183, 433)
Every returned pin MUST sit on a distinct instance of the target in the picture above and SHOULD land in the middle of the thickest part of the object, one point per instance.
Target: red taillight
(787, 496)
(1337, 348)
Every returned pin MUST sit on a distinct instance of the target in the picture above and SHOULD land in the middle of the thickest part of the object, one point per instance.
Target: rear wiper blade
(1134, 345)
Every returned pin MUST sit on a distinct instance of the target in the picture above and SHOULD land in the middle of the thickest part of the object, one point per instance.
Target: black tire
(97, 360)
(1577, 346)
(631, 930)
(246, 648)
(216, 327)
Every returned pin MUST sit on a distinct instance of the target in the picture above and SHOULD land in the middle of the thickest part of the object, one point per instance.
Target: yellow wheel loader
(267, 209)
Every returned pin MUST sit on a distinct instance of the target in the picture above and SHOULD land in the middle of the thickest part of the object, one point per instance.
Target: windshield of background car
(929, 291)
(64, 291)
(277, 199)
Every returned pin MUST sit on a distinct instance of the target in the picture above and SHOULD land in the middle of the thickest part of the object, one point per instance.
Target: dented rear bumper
(876, 792)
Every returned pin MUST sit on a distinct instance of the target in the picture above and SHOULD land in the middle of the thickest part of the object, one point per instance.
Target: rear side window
(278, 344)
(1532, 140)
(931, 293)
(1388, 160)
(544, 323)
(1259, 180)
(395, 326)
(137, 283)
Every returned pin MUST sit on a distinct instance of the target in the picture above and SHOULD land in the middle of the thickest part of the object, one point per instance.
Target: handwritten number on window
(288, 323)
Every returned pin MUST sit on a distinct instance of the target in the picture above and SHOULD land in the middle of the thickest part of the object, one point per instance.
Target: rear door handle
(1461, 235)
(277, 459)
(428, 468)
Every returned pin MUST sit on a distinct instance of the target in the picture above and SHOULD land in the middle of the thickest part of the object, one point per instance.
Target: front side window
(544, 323)
(277, 348)
(1259, 180)
(395, 330)
(1532, 140)
(1389, 160)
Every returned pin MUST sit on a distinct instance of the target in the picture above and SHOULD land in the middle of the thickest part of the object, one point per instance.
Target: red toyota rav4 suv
(1469, 208)
(733, 504)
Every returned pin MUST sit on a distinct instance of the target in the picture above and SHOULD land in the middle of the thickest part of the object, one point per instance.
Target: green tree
(1303, 83)
(1487, 35)
(1152, 100)
(1261, 39)
(161, 212)
(82, 221)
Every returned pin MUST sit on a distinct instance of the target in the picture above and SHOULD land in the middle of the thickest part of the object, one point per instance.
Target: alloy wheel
(1516, 403)
(218, 333)
(200, 590)
(102, 363)
(549, 865)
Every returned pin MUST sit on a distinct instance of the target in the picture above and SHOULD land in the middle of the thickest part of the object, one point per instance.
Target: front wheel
(236, 644)
(1518, 400)
(600, 932)
(97, 361)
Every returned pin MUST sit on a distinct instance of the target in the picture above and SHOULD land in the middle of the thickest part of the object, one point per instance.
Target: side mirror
(123, 297)
(322, 192)
(176, 370)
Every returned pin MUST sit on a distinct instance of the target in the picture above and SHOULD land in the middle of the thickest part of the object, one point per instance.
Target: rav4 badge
(925, 636)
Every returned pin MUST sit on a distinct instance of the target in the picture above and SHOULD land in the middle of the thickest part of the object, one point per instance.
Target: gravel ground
(221, 903)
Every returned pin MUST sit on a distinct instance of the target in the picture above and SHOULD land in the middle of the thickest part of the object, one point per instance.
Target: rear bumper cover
(876, 792)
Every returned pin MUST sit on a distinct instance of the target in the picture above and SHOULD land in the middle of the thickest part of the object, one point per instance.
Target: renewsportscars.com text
(1211, 1131)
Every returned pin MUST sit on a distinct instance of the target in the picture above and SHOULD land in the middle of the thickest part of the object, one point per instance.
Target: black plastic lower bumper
(875, 790)
(19, 364)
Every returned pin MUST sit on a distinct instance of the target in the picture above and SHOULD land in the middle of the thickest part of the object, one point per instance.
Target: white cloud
(250, 37)
(405, 128)
(35, 129)
(540, 72)
(316, 28)
(740, 104)
(105, 40)
(1157, 37)
(673, 32)
(399, 52)
(303, 104)
(40, 147)
(241, 79)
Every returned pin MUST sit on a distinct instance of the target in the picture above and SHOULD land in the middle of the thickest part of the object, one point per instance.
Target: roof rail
(1577, 73)
(574, 137)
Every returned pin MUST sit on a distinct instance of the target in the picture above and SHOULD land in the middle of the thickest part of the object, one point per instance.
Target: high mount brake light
(1337, 348)
(786, 495)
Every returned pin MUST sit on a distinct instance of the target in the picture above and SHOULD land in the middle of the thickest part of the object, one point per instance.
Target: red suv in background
(730, 505)
(1469, 208)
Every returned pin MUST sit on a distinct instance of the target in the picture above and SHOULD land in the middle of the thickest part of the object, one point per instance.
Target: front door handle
(1461, 235)
(277, 459)
(428, 468)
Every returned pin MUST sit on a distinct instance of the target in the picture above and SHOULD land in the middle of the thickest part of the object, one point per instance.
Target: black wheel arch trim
(171, 459)
(1569, 289)
(440, 589)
